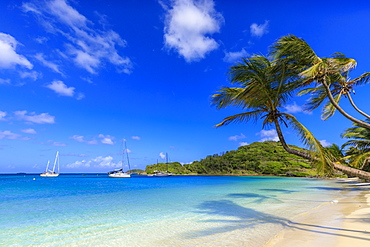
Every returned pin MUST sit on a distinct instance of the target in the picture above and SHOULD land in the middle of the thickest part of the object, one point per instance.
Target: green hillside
(259, 158)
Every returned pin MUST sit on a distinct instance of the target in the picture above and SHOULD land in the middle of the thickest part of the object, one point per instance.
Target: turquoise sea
(95, 210)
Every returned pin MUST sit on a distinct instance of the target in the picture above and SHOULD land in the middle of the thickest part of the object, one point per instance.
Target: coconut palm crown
(262, 89)
(330, 76)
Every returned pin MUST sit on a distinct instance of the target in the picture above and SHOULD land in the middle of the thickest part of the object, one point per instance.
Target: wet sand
(340, 223)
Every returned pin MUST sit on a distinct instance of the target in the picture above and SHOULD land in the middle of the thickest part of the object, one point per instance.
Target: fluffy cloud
(29, 131)
(48, 64)
(293, 108)
(88, 48)
(43, 118)
(231, 57)
(237, 137)
(106, 139)
(186, 26)
(60, 88)
(268, 135)
(135, 138)
(259, 30)
(162, 155)
(81, 139)
(105, 162)
(9, 58)
(6, 134)
(77, 138)
(2, 115)
(325, 143)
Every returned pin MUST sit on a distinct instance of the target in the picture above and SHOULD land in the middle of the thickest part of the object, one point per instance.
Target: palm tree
(359, 146)
(331, 74)
(262, 88)
(262, 91)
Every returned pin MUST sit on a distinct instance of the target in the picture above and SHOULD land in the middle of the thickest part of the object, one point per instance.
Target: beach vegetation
(358, 152)
(258, 158)
(263, 85)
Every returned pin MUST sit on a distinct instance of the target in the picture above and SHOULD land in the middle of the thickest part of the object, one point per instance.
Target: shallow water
(95, 210)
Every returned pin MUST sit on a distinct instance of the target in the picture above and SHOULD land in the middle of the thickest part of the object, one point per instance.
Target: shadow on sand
(232, 216)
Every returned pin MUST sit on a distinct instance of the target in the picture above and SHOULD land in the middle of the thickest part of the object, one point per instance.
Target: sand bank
(340, 223)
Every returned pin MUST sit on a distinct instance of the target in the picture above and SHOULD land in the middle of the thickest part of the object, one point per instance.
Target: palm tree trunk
(354, 106)
(345, 169)
(345, 114)
(285, 145)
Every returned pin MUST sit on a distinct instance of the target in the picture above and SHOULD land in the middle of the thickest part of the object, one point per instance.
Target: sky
(81, 76)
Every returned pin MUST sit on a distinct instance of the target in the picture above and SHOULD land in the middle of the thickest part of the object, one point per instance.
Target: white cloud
(60, 88)
(186, 26)
(162, 155)
(88, 47)
(259, 30)
(9, 58)
(58, 144)
(77, 138)
(105, 162)
(243, 143)
(80, 96)
(92, 142)
(2, 115)
(135, 137)
(4, 81)
(29, 131)
(231, 57)
(81, 139)
(237, 137)
(43, 118)
(268, 135)
(7, 134)
(325, 143)
(29, 74)
(106, 139)
(51, 65)
(78, 164)
(293, 108)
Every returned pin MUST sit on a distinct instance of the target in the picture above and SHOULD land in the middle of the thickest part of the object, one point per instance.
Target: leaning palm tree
(330, 74)
(262, 91)
(262, 88)
(340, 85)
(359, 146)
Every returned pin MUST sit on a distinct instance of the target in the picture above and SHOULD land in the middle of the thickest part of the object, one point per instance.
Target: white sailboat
(52, 173)
(163, 173)
(119, 173)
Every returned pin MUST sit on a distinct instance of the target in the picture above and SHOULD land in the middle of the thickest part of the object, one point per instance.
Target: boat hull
(119, 175)
(48, 174)
(163, 174)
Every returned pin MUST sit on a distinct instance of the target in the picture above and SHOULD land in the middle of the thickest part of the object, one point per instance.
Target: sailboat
(52, 173)
(119, 173)
(165, 173)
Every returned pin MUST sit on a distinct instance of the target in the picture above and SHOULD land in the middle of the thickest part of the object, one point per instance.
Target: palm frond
(322, 158)
(240, 118)
(329, 108)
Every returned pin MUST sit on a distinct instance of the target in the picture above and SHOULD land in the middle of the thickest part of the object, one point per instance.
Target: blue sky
(79, 76)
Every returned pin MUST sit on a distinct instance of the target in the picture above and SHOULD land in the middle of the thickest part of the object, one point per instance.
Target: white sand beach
(341, 223)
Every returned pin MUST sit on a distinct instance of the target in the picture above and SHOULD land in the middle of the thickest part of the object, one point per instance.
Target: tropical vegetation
(263, 85)
(259, 158)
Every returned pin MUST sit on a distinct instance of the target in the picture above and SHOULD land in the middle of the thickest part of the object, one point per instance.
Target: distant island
(258, 158)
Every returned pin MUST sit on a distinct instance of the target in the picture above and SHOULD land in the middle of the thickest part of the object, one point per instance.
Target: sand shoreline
(340, 223)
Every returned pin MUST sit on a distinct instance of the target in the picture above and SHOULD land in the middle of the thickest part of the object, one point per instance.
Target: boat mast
(128, 160)
(167, 161)
(55, 161)
(47, 166)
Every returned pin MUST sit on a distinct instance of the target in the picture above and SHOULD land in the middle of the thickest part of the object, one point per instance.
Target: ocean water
(95, 210)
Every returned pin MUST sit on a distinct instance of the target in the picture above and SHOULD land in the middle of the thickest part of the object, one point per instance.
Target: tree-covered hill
(259, 158)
